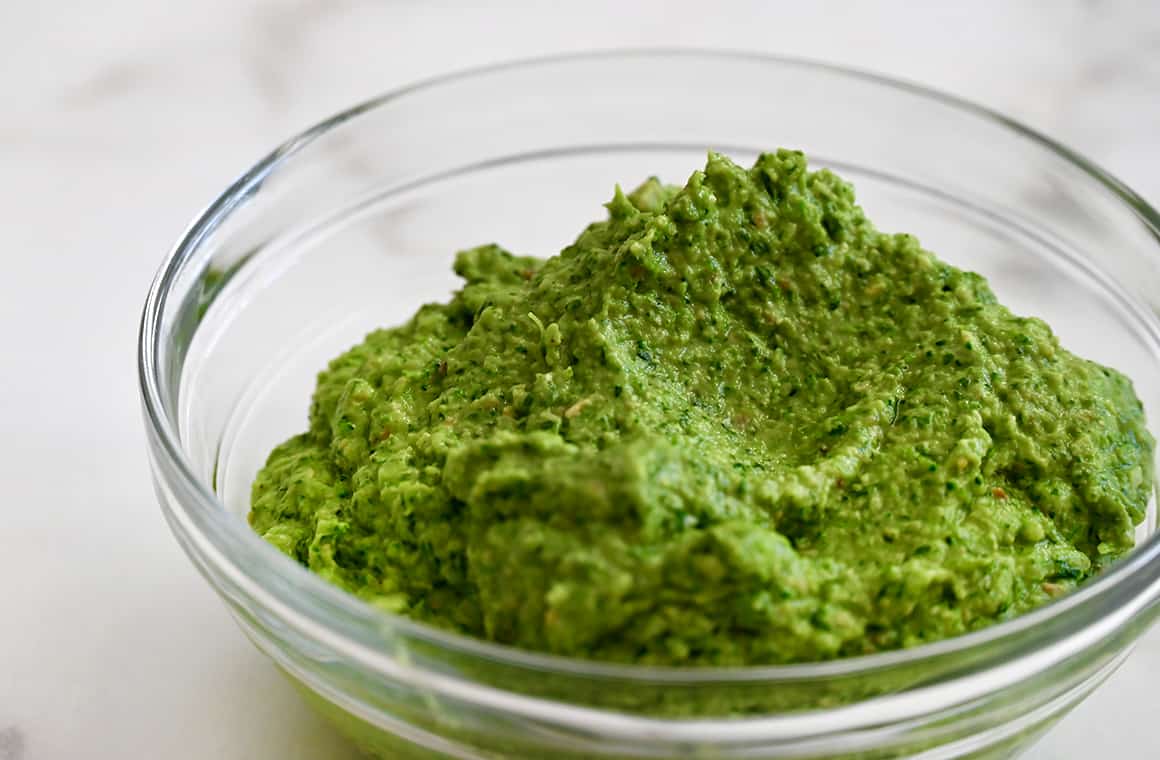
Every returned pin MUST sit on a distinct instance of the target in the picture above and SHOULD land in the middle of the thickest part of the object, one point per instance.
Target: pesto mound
(731, 424)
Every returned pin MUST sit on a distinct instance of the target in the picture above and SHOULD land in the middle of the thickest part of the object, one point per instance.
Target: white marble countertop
(121, 119)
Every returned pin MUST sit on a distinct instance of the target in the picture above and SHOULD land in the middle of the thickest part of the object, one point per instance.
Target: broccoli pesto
(731, 424)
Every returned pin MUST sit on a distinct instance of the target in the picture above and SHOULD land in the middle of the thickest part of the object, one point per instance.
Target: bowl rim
(237, 550)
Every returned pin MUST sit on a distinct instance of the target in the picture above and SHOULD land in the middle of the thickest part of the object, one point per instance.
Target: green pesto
(731, 424)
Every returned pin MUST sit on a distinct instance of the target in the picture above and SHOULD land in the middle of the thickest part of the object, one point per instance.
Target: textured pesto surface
(731, 424)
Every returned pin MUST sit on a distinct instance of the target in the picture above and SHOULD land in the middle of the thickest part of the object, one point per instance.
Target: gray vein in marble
(11, 743)
(276, 39)
(111, 81)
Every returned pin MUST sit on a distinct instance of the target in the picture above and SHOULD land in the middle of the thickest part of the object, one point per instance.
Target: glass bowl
(352, 224)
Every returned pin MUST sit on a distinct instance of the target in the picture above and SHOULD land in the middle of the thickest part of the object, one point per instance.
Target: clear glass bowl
(352, 224)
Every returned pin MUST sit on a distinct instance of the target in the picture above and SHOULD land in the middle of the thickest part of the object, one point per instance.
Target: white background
(120, 120)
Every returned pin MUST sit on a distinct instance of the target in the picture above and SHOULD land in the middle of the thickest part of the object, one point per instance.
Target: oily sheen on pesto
(731, 424)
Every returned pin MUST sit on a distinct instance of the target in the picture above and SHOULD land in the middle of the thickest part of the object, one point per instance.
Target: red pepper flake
(998, 493)
(528, 274)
